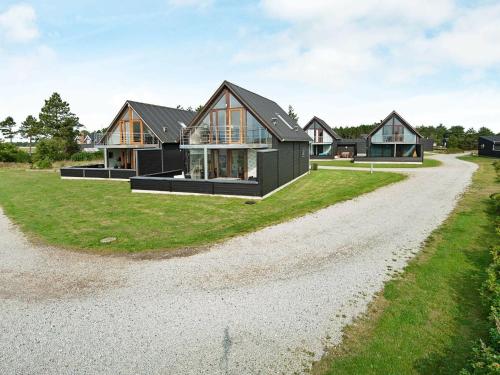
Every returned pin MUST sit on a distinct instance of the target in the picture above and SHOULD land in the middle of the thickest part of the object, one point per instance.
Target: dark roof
(491, 138)
(265, 110)
(324, 125)
(394, 113)
(159, 119)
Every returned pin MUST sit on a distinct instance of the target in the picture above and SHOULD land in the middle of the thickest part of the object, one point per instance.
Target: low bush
(42, 164)
(314, 166)
(87, 156)
(53, 149)
(12, 154)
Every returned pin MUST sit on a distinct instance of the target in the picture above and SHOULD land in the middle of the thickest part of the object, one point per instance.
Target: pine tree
(292, 114)
(7, 128)
(57, 121)
(30, 129)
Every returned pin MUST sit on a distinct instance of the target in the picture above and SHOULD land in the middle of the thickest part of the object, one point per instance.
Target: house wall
(293, 160)
(148, 161)
(173, 157)
(267, 161)
(485, 148)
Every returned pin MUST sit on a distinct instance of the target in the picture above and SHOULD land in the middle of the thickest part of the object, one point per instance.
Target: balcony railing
(230, 134)
(128, 139)
(393, 138)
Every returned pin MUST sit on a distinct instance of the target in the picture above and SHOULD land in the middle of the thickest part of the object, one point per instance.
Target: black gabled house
(241, 143)
(327, 144)
(324, 139)
(142, 139)
(394, 140)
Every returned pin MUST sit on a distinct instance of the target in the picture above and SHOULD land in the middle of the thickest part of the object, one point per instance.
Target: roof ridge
(161, 106)
(251, 92)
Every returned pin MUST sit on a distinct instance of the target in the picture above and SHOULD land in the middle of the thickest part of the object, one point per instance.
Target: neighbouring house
(240, 143)
(87, 142)
(393, 140)
(324, 144)
(327, 144)
(142, 139)
(489, 145)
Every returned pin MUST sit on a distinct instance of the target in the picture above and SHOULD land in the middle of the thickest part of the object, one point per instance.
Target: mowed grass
(426, 321)
(78, 213)
(347, 163)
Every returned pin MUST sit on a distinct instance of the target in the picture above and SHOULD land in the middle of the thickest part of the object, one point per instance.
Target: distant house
(327, 144)
(324, 144)
(489, 145)
(87, 141)
(394, 140)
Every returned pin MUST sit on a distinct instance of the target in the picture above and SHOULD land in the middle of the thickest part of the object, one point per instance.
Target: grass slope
(79, 213)
(426, 321)
(347, 163)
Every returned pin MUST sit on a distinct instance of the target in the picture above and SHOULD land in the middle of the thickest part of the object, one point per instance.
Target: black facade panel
(96, 173)
(148, 161)
(173, 157)
(304, 158)
(296, 159)
(427, 144)
(122, 173)
(285, 161)
(267, 165)
(193, 186)
(246, 189)
(71, 172)
(157, 184)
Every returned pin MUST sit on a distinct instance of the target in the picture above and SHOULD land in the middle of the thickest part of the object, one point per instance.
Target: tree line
(54, 131)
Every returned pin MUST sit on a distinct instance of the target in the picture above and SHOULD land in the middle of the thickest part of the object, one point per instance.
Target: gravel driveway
(264, 303)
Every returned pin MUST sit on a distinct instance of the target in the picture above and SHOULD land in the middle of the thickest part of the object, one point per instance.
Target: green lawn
(347, 163)
(79, 213)
(426, 321)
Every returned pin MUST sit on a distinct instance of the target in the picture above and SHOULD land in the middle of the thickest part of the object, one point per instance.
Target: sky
(347, 62)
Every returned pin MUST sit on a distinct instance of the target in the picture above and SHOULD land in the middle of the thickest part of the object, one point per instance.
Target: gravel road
(264, 303)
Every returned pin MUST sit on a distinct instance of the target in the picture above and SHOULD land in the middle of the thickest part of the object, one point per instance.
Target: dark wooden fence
(97, 171)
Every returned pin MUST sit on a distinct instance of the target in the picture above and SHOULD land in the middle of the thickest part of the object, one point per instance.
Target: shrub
(50, 149)
(43, 164)
(87, 156)
(12, 154)
(314, 166)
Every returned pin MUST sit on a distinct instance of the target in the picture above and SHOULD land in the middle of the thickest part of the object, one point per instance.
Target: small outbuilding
(489, 146)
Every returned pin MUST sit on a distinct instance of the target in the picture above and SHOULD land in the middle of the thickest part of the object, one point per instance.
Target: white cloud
(18, 23)
(337, 42)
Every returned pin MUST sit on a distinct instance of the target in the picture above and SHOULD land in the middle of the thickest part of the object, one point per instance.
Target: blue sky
(346, 62)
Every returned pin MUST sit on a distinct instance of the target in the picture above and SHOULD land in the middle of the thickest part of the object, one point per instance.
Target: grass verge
(347, 163)
(79, 213)
(427, 321)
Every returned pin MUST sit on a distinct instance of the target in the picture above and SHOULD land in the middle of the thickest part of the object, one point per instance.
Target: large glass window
(394, 131)
(256, 133)
(230, 122)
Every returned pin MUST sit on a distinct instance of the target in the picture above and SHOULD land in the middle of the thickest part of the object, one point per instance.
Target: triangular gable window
(228, 124)
(394, 131)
